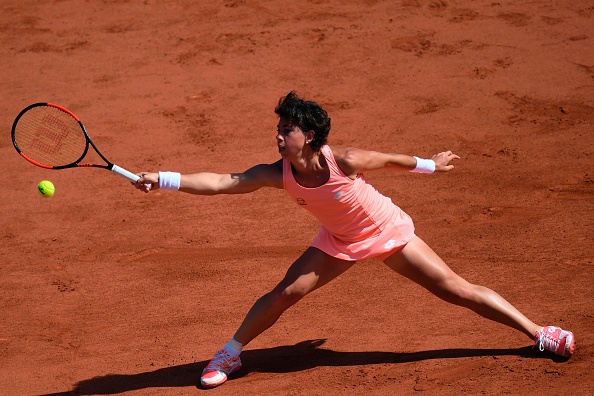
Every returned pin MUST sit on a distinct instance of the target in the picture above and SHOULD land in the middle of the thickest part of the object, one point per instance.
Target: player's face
(290, 139)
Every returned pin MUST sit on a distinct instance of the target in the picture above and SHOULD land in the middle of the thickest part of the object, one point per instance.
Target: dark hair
(308, 116)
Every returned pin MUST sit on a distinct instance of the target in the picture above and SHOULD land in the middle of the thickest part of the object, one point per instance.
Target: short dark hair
(307, 115)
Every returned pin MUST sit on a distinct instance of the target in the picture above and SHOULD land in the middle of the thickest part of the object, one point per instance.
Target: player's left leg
(418, 262)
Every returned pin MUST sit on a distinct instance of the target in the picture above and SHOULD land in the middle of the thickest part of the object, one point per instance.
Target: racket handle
(124, 173)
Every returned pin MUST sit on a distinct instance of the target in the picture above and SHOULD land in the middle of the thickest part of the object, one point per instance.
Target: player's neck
(311, 171)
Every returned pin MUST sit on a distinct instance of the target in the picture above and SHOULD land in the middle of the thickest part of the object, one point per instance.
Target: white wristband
(424, 166)
(169, 180)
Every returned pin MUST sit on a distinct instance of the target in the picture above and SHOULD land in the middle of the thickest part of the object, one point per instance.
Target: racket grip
(124, 173)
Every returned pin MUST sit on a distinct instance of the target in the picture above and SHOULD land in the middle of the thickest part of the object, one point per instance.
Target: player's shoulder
(268, 168)
(275, 168)
(344, 153)
(346, 158)
(269, 174)
(347, 155)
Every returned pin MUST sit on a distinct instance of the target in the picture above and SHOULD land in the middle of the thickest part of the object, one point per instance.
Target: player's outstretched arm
(208, 183)
(353, 161)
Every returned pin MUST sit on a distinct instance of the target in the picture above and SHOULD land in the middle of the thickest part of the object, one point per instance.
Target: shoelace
(546, 342)
(221, 361)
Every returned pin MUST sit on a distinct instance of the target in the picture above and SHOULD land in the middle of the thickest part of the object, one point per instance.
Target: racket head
(49, 136)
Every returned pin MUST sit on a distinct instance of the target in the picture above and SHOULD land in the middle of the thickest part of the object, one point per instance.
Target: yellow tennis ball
(46, 189)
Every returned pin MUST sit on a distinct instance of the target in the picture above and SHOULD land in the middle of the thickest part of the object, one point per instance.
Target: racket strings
(50, 136)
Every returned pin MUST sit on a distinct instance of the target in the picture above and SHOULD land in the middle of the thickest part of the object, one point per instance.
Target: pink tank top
(350, 210)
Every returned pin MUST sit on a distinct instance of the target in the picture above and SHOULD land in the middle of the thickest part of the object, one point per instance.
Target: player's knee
(287, 296)
(457, 291)
(297, 290)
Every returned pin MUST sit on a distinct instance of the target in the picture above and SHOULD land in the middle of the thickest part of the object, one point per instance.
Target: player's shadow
(282, 359)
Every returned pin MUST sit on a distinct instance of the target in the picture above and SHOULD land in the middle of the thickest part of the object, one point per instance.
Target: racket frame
(76, 164)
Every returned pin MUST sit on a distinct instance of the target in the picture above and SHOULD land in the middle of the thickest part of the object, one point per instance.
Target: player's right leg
(312, 270)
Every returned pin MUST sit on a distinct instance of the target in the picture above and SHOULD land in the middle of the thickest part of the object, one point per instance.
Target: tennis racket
(52, 137)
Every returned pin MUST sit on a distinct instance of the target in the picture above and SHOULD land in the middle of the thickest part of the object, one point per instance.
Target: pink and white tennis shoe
(556, 340)
(217, 370)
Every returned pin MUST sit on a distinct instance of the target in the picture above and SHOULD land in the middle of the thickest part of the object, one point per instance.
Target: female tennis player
(357, 223)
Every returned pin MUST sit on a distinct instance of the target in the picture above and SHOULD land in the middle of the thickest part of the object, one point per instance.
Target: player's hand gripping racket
(52, 137)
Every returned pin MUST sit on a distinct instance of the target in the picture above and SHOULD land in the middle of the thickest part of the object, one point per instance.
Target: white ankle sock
(233, 347)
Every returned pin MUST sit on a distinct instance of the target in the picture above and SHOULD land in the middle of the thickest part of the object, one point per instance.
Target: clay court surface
(105, 290)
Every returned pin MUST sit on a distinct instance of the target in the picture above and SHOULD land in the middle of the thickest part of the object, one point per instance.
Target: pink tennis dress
(357, 221)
